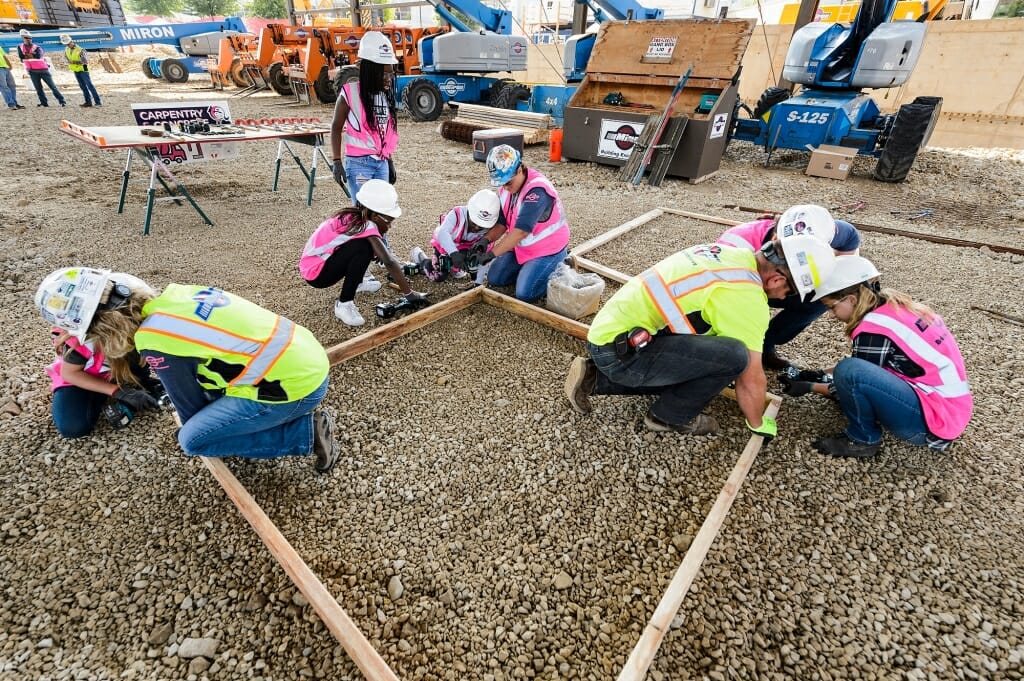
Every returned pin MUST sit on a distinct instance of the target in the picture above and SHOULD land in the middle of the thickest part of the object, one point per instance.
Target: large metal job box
(642, 61)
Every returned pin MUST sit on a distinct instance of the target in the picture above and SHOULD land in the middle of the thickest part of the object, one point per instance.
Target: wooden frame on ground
(334, 617)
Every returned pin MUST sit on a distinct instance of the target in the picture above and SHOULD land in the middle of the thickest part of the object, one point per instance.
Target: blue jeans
(359, 169)
(794, 318)
(684, 371)
(88, 89)
(871, 397)
(530, 278)
(40, 77)
(8, 88)
(76, 410)
(233, 426)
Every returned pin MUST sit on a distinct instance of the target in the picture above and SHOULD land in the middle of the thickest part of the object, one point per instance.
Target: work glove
(480, 246)
(485, 258)
(136, 399)
(458, 260)
(768, 429)
(417, 299)
(338, 170)
(795, 388)
(812, 375)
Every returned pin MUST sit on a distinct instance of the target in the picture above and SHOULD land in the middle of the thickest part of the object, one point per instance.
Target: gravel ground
(475, 527)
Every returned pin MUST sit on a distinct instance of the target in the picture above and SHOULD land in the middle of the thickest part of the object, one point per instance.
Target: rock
(681, 542)
(562, 581)
(198, 666)
(160, 634)
(10, 407)
(198, 647)
(395, 588)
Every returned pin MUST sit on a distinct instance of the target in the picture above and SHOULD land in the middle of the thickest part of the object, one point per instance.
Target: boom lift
(195, 41)
(834, 62)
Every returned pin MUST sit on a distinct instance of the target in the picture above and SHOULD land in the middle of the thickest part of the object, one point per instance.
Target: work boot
(85, 105)
(42, 104)
(701, 424)
(580, 383)
(843, 447)
(348, 313)
(773, 361)
(325, 447)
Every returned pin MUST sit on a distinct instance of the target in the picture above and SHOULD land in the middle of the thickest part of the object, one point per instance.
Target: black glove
(338, 170)
(480, 246)
(458, 259)
(485, 258)
(136, 399)
(812, 375)
(417, 299)
(795, 388)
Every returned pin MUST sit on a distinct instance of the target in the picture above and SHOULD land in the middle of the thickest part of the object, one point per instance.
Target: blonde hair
(867, 299)
(113, 331)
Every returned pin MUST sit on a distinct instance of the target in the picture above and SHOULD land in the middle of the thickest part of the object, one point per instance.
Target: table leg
(124, 181)
(156, 167)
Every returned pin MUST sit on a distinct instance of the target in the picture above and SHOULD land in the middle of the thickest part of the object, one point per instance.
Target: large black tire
(422, 99)
(238, 75)
(494, 91)
(174, 71)
(147, 68)
(768, 99)
(347, 74)
(936, 104)
(909, 130)
(278, 79)
(324, 88)
(511, 95)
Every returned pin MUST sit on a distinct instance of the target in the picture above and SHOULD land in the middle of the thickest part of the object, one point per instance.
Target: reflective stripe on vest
(263, 355)
(529, 247)
(361, 139)
(668, 296)
(951, 385)
(74, 57)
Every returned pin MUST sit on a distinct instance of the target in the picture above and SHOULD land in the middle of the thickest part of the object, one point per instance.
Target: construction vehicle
(195, 42)
(834, 62)
(227, 67)
(43, 14)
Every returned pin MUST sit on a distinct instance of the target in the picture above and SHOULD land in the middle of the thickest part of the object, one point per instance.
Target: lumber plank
(616, 232)
(701, 216)
(643, 654)
(596, 267)
(536, 314)
(370, 340)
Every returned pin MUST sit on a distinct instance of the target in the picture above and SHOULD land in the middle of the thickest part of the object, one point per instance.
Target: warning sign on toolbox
(174, 114)
(659, 50)
(617, 138)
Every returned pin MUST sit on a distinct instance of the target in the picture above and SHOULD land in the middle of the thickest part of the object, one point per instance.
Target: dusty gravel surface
(475, 527)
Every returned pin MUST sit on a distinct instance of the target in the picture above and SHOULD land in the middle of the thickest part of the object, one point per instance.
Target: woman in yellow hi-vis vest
(78, 63)
(245, 381)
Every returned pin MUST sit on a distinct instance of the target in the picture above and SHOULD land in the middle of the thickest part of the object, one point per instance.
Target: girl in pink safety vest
(532, 236)
(341, 248)
(460, 230)
(905, 374)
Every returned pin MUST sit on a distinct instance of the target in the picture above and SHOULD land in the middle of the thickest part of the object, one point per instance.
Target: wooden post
(616, 232)
(536, 314)
(606, 272)
(701, 216)
(369, 662)
(643, 654)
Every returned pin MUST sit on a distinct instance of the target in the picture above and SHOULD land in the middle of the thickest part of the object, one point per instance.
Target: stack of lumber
(534, 125)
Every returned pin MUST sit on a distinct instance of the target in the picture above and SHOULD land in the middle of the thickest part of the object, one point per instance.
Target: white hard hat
(849, 270)
(809, 259)
(484, 207)
(68, 298)
(380, 197)
(24, 33)
(375, 47)
(65, 39)
(807, 219)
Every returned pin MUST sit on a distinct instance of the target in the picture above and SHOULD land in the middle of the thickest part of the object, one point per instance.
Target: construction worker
(8, 87)
(795, 315)
(532, 233)
(78, 63)
(460, 229)
(33, 59)
(244, 381)
(341, 248)
(691, 325)
(905, 373)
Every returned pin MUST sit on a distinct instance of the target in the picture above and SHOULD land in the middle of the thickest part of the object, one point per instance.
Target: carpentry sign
(617, 138)
(177, 113)
(659, 50)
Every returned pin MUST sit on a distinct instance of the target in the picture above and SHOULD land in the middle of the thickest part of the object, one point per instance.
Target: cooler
(485, 140)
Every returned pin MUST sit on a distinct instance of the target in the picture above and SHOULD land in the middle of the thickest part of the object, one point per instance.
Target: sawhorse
(156, 168)
(317, 142)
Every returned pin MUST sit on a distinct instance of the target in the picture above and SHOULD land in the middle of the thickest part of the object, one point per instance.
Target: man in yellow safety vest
(78, 63)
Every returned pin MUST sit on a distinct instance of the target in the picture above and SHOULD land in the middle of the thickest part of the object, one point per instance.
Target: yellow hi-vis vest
(4, 64)
(74, 57)
(245, 350)
(707, 289)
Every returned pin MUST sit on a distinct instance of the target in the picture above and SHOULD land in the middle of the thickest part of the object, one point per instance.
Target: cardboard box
(829, 161)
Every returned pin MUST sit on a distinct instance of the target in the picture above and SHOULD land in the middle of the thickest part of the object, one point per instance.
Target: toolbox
(485, 140)
(643, 60)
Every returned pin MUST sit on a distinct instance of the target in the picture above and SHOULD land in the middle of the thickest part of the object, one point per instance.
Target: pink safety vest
(31, 61)
(360, 139)
(749, 235)
(95, 364)
(459, 233)
(943, 389)
(329, 236)
(548, 237)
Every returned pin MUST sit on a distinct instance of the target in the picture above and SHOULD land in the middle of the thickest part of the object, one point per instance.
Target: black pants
(349, 262)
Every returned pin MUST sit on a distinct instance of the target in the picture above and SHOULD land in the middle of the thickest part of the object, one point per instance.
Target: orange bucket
(555, 146)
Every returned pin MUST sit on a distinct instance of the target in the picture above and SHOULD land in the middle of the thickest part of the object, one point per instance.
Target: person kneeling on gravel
(84, 384)
(244, 381)
(795, 314)
(691, 325)
(906, 372)
(341, 248)
(460, 230)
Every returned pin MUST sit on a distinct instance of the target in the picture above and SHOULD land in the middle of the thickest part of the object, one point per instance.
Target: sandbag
(574, 294)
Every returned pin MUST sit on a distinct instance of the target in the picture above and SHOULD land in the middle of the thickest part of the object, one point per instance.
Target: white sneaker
(348, 313)
(369, 284)
(459, 274)
(416, 254)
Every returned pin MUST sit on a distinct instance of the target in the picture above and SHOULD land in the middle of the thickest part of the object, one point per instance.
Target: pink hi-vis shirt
(330, 235)
(749, 235)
